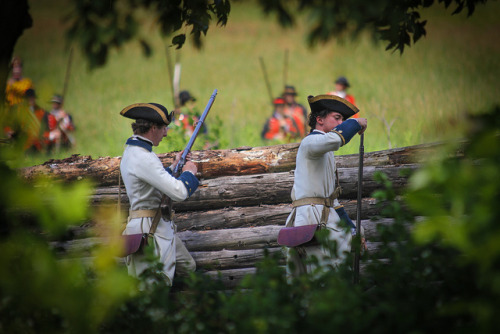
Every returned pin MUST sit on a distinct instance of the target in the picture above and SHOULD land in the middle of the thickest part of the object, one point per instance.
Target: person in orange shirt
(295, 110)
(341, 86)
(38, 139)
(17, 85)
(280, 126)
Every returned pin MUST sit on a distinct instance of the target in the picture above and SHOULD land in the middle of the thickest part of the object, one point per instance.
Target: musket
(63, 96)
(266, 79)
(189, 146)
(285, 69)
(68, 71)
(358, 210)
(166, 202)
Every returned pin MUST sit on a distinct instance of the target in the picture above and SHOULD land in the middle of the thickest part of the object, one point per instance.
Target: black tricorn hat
(30, 92)
(289, 90)
(185, 96)
(342, 81)
(153, 112)
(332, 103)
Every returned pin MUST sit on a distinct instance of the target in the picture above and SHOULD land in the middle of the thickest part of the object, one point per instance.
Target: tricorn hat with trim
(153, 112)
(332, 103)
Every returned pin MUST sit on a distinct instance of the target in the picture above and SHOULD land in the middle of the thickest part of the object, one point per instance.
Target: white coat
(146, 179)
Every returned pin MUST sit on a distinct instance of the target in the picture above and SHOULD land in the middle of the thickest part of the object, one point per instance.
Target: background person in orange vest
(38, 138)
(341, 86)
(295, 110)
(280, 126)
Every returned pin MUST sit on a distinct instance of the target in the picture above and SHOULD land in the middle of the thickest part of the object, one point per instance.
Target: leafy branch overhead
(98, 26)
(101, 25)
(396, 22)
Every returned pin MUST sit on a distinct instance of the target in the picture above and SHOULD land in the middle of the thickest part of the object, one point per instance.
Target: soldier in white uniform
(315, 189)
(146, 180)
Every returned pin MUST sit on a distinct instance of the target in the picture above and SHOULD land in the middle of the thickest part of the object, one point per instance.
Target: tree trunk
(212, 164)
(273, 188)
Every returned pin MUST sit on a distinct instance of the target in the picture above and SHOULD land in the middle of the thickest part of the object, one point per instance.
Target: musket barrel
(190, 144)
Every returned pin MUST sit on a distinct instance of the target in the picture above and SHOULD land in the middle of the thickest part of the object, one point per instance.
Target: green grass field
(426, 92)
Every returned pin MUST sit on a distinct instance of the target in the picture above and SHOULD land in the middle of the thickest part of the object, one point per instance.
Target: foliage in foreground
(40, 292)
(431, 276)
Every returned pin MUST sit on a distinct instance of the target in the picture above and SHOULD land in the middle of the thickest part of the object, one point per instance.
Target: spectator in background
(188, 114)
(295, 110)
(60, 125)
(17, 85)
(341, 86)
(280, 126)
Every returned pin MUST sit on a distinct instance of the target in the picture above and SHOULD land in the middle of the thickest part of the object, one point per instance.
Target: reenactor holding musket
(146, 181)
(316, 189)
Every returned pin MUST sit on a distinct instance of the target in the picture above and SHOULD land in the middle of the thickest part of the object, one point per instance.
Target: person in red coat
(280, 126)
(341, 86)
(295, 110)
(38, 138)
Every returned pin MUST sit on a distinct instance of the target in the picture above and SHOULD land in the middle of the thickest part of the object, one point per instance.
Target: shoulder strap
(119, 208)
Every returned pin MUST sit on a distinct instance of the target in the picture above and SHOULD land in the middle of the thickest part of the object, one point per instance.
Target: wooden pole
(358, 217)
(266, 79)
(285, 69)
(170, 67)
(68, 70)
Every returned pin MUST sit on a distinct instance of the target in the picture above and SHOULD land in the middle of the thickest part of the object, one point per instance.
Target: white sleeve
(318, 145)
(152, 172)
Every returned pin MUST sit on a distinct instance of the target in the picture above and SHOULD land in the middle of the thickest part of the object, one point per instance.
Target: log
(231, 278)
(231, 259)
(264, 215)
(236, 238)
(259, 189)
(243, 238)
(246, 160)
(104, 171)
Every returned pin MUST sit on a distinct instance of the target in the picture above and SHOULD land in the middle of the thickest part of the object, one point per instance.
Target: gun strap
(157, 217)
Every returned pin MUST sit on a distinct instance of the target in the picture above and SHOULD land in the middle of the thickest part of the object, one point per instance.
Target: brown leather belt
(141, 214)
(326, 202)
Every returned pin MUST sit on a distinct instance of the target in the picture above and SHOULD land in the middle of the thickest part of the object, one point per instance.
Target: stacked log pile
(243, 200)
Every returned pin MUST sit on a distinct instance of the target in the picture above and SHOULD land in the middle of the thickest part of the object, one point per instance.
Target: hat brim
(332, 103)
(148, 111)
